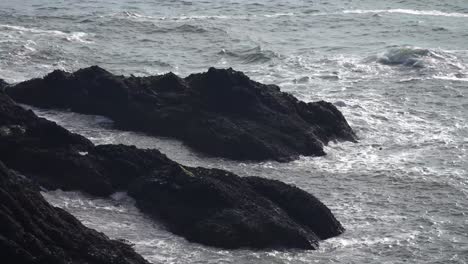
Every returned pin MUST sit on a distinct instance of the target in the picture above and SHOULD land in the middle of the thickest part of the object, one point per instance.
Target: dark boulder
(220, 112)
(216, 207)
(299, 205)
(208, 206)
(33, 231)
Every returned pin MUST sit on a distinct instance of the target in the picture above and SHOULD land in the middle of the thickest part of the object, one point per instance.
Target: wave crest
(71, 36)
(419, 58)
(252, 55)
(407, 12)
(137, 16)
(184, 28)
(406, 56)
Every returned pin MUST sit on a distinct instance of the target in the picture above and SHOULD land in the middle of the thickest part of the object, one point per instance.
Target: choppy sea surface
(398, 70)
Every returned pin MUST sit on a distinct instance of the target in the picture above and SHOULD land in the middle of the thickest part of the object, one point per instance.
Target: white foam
(141, 17)
(78, 36)
(132, 14)
(403, 238)
(72, 36)
(450, 78)
(406, 11)
(279, 15)
(118, 196)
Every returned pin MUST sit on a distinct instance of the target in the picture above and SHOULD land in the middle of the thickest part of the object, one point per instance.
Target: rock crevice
(34, 232)
(209, 206)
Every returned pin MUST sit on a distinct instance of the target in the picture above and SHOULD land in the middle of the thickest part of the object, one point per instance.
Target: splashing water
(397, 70)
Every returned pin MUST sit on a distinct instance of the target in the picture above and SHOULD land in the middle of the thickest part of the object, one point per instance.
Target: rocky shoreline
(221, 112)
(33, 231)
(209, 206)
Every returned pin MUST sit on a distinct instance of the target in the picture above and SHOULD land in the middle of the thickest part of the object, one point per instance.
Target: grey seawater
(398, 70)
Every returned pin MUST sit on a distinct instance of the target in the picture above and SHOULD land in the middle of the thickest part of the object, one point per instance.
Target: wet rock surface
(33, 231)
(216, 207)
(3, 84)
(220, 112)
(208, 206)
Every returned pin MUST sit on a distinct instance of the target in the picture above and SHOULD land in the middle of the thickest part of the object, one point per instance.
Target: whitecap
(132, 14)
(185, 17)
(279, 15)
(33, 30)
(451, 78)
(118, 196)
(407, 11)
(78, 36)
(234, 17)
(72, 36)
(402, 238)
(197, 17)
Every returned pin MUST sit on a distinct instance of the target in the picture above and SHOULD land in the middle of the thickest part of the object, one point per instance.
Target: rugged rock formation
(216, 207)
(209, 206)
(37, 146)
(32, 231)
(3, 84)
(220, 112)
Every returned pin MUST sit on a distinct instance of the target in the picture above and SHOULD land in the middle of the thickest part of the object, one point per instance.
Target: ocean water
(398, 70)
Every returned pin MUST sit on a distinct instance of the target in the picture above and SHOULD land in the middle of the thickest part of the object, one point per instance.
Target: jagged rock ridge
(220, 112)
(208, 206)
(34, 232)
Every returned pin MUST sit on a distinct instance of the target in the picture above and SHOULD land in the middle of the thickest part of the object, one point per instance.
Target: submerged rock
(405, 56)
(208, 206)
(33, 231)
(220, 112)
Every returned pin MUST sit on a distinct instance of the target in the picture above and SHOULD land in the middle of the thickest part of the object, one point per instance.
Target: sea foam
(407, 11)
(71, 36)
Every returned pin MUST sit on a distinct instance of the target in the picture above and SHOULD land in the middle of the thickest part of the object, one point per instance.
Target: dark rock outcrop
(36, 146)
(221, 112)
(216, 207)
(209, 206)
(3, 84)
(32, 231)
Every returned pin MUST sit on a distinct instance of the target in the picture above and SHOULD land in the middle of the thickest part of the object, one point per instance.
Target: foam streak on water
(398, 70)
(408, 11)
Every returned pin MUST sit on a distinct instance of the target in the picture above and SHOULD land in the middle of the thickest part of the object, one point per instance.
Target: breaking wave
(138, 16)
(71, 36)
(420, 58)
(252, 55)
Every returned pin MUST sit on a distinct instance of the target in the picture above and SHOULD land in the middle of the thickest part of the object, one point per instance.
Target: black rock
(208, 206)
(33, 231)
(216, 207)
(18, 122)
(36, 146)
(221, 112)
(3, 84)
